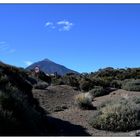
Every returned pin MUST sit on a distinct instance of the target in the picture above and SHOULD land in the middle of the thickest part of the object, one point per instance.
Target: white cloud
(28, 63)
(65, 25)
(50, 25)
(5, 48)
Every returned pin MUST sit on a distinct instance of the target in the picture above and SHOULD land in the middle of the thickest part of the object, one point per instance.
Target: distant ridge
(50, 67)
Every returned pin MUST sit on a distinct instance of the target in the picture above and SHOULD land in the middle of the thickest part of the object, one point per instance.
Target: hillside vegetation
(103, 100)
(107, 79)
(20, 113)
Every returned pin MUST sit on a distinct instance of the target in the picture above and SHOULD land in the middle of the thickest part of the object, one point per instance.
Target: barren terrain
(59, 103)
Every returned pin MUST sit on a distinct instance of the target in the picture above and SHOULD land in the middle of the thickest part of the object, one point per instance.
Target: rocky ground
(59, 103)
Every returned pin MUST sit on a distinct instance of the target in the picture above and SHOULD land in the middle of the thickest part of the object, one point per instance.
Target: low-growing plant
(116, 84)
(86, 85)
(84, 101)
(57, 81)
(71, 80)
(18, 114)
(131, 85)
(102, 81)
(97, 91)
(136, 100)
(117, 116)
(3, 80)
(8, 123)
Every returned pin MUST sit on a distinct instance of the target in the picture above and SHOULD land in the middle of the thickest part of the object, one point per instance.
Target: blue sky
(83, 37)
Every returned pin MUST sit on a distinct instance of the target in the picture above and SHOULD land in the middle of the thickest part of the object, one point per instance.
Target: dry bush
(131, 85)
(97, 91)
(116, 84)
(117, 116)
(84, 101)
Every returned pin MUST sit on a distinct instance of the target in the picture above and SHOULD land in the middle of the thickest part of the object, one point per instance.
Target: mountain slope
(50, 67)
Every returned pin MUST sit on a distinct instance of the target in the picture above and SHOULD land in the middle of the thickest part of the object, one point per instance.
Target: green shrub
(97, 91)
(131, 85)
(57, 81)
(116, 84)
(8, 123)
(136, 100)
(117, 116)
(86, 84)
(18, 114)
(101, 81)
(84, 101)
(71, 80)
(3, 80)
